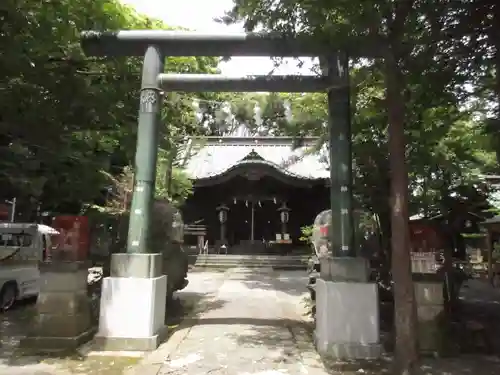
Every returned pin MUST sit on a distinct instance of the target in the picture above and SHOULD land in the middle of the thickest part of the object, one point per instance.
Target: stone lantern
(284, 212)
(222, 211)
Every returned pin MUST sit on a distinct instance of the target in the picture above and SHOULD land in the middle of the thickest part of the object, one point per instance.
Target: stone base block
(132, 314)
(133, 344)
(430, 328)
(45, 344)
(351, 351)
(63, 317)
(429, 293)
(347, 320)
(430, 309)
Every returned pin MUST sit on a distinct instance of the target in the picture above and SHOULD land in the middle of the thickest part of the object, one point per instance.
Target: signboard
(424, 262)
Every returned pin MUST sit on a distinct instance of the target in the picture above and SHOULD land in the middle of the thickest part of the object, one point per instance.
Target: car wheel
(8, 296)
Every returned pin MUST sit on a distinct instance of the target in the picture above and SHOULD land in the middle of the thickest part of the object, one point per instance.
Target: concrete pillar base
(347, 310)
(344, 269)
(63, 316)
(349, 351)
(132, 314)
(347, 320)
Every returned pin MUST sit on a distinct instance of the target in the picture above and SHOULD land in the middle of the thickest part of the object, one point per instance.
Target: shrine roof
(207, 157)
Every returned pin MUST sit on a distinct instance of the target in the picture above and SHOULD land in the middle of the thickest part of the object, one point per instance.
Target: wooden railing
(198, 231)
(195, 230)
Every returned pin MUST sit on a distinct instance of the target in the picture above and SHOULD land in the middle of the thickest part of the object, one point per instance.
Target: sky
(198, 15)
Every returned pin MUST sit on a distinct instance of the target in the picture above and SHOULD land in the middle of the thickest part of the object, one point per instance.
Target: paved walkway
(248, 324)
(244, 323)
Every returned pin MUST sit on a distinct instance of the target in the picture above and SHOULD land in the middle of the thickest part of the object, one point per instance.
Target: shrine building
(253, 194)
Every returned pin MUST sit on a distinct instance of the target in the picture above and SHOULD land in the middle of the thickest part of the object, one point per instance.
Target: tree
(409, 35)
(479, 19)
(65, 118)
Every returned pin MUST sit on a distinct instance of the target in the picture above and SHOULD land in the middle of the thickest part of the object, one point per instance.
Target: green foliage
(413, 137)
(66, 118)
(172, 183)
(446, 146)
(306, 233)
(68, 123)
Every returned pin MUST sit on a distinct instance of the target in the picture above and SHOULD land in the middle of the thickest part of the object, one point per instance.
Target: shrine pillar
(347, 306)
(133, 298)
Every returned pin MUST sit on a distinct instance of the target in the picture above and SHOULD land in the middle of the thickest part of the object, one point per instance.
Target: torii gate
(120, 317)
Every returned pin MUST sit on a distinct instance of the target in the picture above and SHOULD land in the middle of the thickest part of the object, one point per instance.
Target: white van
(22, 247)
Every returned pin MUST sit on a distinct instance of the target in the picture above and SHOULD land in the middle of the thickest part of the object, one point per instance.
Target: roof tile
(211, 156)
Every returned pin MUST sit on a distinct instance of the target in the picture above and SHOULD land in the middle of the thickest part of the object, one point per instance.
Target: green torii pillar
(136, 272)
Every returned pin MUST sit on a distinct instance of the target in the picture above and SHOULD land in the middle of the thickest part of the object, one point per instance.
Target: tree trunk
(496, 41)
(404, 297)
(168, 175)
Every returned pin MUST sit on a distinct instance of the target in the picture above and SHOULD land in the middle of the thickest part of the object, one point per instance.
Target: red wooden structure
(73, 242)
(4, 212)
(425, 238)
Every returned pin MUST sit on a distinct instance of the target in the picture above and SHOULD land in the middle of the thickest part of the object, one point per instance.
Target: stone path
(248, 324)
(244, 323)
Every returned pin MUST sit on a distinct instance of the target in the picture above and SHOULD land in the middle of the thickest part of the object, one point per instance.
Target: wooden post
(252, 224)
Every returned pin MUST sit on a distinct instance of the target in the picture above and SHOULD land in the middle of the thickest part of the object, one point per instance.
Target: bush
(306, 232)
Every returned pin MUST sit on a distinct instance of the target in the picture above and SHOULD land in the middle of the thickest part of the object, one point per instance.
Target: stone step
(281, 258)
(255, 266)
(251, 261)
(245, 262)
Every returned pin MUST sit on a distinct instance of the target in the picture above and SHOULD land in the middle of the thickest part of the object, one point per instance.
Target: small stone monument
(429, 300)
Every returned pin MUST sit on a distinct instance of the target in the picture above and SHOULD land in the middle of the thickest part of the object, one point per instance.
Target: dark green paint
(146, 153)
(342, 233)
(221, 83)
(189, 43)
(155, 42)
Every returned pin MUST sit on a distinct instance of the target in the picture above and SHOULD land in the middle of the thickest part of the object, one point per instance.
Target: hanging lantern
(284, 213)
(222, 213)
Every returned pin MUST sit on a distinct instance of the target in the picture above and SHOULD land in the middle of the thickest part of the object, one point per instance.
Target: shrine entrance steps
(283, 262)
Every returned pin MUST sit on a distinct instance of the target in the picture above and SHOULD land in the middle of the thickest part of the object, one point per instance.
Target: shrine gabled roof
(207, 157)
